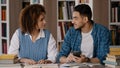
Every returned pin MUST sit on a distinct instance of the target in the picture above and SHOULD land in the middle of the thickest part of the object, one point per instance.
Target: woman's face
(41, 21)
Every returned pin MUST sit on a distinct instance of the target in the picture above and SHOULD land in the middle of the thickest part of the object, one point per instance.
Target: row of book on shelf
(3, 1)
(62, 29)
(65, 9)
(115, 12)
(113, 58)
(115, 35)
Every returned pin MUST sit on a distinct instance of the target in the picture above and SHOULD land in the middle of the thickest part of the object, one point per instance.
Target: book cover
(112, 66)
(113, 56)
(8, 61)
(115, 49)
(113, 59)
(8, 56)
(111, 63)
(10, 66)
(114, 53)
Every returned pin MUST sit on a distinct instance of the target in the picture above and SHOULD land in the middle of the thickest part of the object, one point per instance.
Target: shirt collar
(40, 35)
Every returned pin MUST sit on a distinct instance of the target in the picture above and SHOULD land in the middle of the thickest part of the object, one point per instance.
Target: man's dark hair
(84, 10)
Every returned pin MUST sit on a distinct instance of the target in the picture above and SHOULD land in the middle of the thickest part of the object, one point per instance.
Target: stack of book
(113, 58)
(10, 66)
(8, 58)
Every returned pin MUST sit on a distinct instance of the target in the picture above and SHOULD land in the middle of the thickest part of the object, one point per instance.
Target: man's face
(78, 20)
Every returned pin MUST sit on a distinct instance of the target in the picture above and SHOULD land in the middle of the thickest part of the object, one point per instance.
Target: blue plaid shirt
(101, 42)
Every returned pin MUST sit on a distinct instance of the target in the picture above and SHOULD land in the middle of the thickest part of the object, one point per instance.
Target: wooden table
(51, 66)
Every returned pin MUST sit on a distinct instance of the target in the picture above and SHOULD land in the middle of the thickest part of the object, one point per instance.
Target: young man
(91, 38)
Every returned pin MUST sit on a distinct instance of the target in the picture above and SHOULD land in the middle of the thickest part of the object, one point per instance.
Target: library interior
(59, 19)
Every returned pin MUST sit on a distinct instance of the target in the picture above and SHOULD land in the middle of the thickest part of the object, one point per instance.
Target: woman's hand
(28, 61)
(44, 61)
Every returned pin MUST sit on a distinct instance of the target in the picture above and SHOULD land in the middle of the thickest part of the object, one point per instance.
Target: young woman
(31, 41)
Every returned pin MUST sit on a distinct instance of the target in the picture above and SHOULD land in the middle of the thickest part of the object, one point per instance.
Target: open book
(80, 65)
(41, 66)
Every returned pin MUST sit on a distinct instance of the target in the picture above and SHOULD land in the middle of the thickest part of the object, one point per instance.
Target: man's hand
(80, 59)
(70, 58)
(85, 59)
(44, 61)
(28, 61)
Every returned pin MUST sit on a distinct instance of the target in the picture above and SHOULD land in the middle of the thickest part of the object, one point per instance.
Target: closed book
(111, 63)
(3, 14)
(114, 53)
(8, 56)
(60, 10)
(113, 56)
(64, 11)
(4, 47)
(112, 66)
(119, 13)
(115, 49)
(7, 62)
(113, 59)
(10, 66)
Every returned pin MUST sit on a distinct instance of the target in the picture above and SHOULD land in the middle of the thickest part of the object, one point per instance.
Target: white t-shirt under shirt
(87, 44)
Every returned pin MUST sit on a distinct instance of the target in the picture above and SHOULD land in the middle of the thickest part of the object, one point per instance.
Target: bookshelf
(8, 22)
(36, 2)
(4, 28)
(64, 16)
(114, 21)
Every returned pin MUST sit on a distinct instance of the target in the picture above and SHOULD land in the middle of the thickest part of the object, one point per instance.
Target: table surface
(71, 65)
